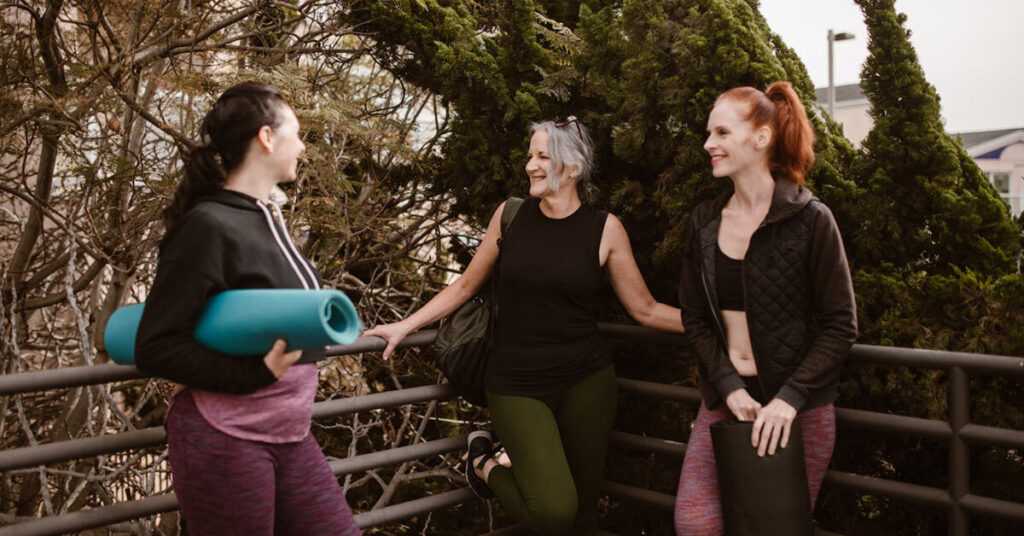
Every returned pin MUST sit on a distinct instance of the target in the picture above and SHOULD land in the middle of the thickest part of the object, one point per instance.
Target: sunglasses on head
(562, 122)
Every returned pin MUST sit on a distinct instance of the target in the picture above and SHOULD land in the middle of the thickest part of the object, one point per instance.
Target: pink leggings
(233, 487)
(698, 509)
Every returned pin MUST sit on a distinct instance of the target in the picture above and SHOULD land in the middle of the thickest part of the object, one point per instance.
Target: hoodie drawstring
(284, 250)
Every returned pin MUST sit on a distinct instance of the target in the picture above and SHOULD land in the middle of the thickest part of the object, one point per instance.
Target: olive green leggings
(557, 445)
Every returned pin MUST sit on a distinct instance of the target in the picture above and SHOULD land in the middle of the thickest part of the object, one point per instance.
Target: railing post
(959, 452)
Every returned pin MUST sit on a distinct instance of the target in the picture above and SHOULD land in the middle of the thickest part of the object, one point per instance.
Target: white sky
(972, 51)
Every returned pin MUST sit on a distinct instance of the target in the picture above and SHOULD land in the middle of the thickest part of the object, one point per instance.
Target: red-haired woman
(766, 296)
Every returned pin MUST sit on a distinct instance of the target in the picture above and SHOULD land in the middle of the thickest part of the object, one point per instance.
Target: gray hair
(569, 144)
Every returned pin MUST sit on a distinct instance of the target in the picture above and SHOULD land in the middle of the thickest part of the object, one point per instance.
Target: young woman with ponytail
(242, 458)
(766, 296)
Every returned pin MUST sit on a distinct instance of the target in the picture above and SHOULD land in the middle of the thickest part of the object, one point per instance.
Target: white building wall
(1010, 162)
(855, 118)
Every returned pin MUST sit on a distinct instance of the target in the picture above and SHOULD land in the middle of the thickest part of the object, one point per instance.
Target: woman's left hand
(772, 424)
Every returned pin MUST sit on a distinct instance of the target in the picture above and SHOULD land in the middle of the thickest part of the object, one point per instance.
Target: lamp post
(832, 36)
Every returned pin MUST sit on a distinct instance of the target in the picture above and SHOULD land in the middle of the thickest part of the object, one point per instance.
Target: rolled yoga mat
(761, 496)
(247, 322)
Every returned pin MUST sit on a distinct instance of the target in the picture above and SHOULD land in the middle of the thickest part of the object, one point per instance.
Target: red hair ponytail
(793, 146)
(792, 151)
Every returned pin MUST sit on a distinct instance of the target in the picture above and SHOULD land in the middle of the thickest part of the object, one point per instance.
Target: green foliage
(931, 244)
(926, 205)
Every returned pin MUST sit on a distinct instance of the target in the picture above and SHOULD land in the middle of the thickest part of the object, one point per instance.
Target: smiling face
(538, 165)
(734, 144)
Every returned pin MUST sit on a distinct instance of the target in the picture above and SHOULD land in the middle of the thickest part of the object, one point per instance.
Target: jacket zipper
(746, 307)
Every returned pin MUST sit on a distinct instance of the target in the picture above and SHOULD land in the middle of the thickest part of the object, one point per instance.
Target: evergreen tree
(484, 60)
(643, 75)
(926, 205)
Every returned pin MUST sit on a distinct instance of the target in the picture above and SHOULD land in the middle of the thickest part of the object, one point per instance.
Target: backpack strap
(512, 205)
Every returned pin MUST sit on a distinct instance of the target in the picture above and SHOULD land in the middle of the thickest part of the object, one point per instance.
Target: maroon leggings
(228, 486)
(698, 508)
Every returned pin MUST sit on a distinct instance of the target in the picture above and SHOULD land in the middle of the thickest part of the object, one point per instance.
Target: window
(1001, 180)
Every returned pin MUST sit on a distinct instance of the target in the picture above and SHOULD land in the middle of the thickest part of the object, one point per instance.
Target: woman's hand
(392, 333)
(773, 424)
(278, 361)
(742, 405)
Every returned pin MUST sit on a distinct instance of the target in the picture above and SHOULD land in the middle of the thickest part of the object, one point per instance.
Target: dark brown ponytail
(227, 130)
(792, 151)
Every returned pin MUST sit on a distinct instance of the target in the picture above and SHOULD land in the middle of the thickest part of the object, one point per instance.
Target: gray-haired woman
(550, 382)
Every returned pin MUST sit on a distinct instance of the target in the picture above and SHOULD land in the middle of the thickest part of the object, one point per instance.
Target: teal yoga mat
(247, 322)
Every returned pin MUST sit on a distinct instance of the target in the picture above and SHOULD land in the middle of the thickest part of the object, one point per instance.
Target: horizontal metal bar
(376, 344)
(383, 458)
(523, 530)
(976, 504)
(97, 374)
(648, 444)
(899, 424)
(632, 331)
(126, 511)
(408, 509)
(73, 449)
(912, 493)
(62, 378)
(95, 518)
(659, 500)
(938, 359)
(992, 436)
(512, 530)
(386, 399)
(42, 380)
(660, 390)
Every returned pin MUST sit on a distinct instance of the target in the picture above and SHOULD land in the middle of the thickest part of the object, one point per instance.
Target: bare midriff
(738, 338)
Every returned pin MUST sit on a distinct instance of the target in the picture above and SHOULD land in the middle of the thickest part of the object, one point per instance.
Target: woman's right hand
(742, 405)
(392, 333)
(278, 361)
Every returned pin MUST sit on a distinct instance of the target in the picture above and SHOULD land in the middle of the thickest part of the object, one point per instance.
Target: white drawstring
(302, 260)
(280, 245)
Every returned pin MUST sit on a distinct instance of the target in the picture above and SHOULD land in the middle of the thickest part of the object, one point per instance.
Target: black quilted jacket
(798, 294)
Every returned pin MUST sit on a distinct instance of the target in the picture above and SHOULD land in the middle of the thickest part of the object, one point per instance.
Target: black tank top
(546, 336)
(729, 281)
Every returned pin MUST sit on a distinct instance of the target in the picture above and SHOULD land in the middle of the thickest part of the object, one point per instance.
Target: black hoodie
(228, 240)
(800, 306)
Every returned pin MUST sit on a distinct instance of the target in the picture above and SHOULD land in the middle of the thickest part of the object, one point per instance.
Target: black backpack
(463, 341)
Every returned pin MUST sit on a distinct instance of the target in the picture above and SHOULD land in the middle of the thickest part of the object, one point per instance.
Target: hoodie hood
(230, 198)
(787, 199)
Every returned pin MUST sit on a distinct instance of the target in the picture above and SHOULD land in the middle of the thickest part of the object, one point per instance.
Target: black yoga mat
(761, 496)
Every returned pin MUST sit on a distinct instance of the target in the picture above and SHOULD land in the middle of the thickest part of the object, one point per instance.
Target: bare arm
(453, 296)
(629, 285)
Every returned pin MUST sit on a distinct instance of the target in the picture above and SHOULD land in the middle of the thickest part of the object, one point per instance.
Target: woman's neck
(251, 182)
(561, 204)
(753, 190)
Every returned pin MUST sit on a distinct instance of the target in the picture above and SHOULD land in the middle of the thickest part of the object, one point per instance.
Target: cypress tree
(920, 221)
(926, 205)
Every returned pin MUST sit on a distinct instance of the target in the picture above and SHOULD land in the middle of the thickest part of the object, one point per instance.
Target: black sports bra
(729, 281)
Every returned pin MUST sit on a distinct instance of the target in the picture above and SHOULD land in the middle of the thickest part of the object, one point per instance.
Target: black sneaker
(479, 443)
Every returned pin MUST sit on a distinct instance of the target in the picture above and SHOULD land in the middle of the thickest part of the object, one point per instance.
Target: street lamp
(832, 36)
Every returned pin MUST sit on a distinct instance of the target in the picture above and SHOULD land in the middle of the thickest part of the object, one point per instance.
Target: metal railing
(957, 500)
